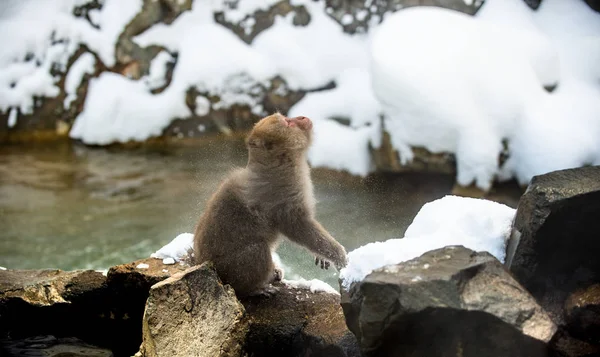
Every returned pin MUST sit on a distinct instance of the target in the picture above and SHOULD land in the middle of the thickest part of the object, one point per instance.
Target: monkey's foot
(267, 291)
(278, 274)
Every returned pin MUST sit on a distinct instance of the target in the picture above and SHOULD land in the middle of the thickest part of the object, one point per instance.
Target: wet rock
(50, 346)
(553, 250)
(193, 313)
(448, 302)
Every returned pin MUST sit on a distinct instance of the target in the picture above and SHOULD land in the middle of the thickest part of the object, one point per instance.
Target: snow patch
(158, 70)
(12, 117)
(83, 65)
(477, 224)
(176, 250)
(314, 285)
(168, 261)
(142, 266)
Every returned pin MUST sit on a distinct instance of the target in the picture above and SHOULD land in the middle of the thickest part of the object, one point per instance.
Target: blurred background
(118, 119)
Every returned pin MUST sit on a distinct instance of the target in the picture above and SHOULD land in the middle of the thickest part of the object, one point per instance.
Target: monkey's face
(277, 133)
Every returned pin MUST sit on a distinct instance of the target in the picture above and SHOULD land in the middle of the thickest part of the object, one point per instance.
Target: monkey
(253, 206)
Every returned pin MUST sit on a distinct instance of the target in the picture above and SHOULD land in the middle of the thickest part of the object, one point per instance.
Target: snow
(175, 250)
(83, 65)
(142, 266)
(168, 261)
(158, 70)
(3, 268)
(12, 117)
(338, 146)
(43, 36)
(442, 80)
(314, 285)
(202, 107)
(477, 224)
(471, 82)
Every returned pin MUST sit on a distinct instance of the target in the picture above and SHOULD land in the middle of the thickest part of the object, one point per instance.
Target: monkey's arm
(309, 233)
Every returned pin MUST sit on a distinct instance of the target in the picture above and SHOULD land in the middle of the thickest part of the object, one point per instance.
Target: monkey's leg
(309, 233)
(250, 270)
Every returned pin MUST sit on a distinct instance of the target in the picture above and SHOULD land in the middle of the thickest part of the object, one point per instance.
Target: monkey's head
(278, 134)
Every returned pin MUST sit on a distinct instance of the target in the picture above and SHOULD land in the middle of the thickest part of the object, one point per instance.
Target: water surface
(69, 206)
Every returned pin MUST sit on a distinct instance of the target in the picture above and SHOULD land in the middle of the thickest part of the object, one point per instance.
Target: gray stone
(553, 250)
(448, 302)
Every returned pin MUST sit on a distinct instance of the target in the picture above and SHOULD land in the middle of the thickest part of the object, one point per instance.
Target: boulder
(103, 310)
(448, 302)
(553, 250)
(44, 296)
(194, 314)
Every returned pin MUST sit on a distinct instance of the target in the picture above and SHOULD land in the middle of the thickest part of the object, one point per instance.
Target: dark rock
(357, 15)
(448, 302)
(263, 19)
(553, 250)
(296, 322)
(594, 4)
(565, 345)
(193, 313)
(103, 310)
(582, 313)
(533, 4)
(50, 346)
(127, 52)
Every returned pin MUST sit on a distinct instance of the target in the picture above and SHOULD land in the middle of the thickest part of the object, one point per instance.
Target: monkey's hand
(340, 259)
(324, 263)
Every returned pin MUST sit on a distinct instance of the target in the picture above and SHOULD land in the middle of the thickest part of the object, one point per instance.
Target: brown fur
(273, 195)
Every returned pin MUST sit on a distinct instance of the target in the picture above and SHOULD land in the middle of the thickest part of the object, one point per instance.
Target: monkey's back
(228, 224)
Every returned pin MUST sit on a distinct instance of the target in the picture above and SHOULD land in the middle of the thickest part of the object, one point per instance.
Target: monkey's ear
(259, 143)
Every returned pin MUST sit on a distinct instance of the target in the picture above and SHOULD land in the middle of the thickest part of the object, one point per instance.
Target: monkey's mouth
(301, 122)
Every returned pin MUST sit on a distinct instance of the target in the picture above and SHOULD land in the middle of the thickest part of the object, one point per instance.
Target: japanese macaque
(271, 196)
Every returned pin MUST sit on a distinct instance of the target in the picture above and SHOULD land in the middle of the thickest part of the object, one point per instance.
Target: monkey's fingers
(316, 260)
(327, 264)
(322, 264)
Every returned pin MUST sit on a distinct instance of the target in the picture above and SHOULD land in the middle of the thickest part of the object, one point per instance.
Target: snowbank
(43, 36)
(466, 84)
(443, 80)
(477, 224)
